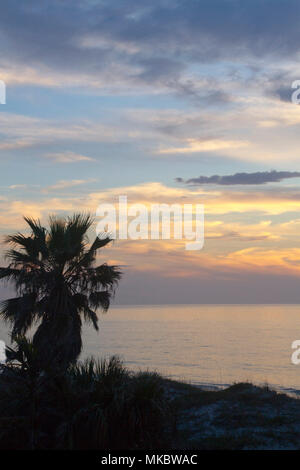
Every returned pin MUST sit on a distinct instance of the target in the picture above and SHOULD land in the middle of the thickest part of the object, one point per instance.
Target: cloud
(231, 248)
(18, 132)
(236, 236)
(64, 184)
(209, 145)
(68, 157)
(162, 132)
(18, 186)
(259, 177)
(136, 44)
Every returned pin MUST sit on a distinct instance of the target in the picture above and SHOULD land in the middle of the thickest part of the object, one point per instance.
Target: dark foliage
(91, 405)
(57, 285)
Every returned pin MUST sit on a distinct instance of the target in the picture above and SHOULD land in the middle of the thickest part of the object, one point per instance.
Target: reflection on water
(202, 343)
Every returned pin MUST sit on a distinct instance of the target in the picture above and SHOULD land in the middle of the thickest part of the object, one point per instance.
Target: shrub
(93, 405)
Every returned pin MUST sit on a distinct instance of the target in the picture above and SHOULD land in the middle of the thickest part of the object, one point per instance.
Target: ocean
(209, 345)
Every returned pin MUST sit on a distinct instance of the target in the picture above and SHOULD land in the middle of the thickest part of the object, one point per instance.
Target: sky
(168, 101)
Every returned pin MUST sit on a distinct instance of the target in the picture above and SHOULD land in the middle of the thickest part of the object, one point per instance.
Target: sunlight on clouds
(180, 263)
(205, 146)
(263, 246)
(63, 184)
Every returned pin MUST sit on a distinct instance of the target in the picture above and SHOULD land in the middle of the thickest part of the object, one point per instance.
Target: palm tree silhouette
(57, 285)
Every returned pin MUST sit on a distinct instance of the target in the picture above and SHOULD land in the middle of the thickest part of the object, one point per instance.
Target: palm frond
(10, 274)
(82, 304)
(19, 258)
(20, 311)
(104, 276)
(89, 256)
(39, 233)
(100, 299)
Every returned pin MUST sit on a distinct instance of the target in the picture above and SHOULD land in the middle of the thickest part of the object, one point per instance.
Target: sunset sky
(151, 100)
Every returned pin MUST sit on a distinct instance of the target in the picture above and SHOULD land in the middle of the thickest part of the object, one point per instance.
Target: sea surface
(209, 345)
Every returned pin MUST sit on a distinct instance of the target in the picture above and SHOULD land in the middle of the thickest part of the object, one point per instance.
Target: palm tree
(57, 285)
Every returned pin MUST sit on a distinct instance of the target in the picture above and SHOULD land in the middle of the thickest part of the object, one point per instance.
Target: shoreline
(293, 392)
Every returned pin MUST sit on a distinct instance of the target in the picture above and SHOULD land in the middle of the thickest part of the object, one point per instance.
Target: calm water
(204, 344)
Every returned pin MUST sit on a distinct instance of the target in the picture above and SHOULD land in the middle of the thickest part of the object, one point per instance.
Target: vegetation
(91, 405)
(48, 400)
(57, 285)
(101, 405)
